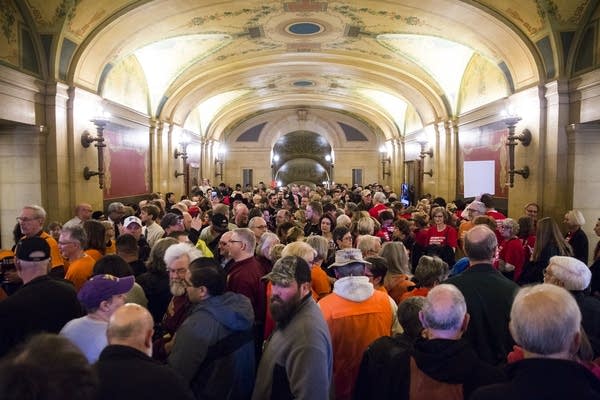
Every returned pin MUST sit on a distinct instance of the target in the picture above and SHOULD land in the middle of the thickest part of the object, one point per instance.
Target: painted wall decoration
(10, 19)
(485, 143)
(126, 84)
(127, 159)
(483, 82)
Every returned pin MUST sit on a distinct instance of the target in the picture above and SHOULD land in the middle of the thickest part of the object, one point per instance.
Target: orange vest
(353, 327)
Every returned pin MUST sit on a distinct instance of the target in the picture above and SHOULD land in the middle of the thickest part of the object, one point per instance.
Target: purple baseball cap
(102, 287)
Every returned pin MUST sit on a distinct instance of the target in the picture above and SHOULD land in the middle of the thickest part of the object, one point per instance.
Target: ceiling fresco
(224, 61)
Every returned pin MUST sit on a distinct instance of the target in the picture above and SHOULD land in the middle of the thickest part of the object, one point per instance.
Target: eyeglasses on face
(66, 243)
(26, 219)
(178, 271)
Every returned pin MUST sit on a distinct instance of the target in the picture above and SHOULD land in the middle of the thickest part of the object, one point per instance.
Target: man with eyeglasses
(72, 245)
(245, 275)
(223, 257)
(258, 225)
(31, 222)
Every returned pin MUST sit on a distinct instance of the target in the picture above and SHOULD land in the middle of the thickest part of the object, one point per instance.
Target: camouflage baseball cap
(287, 270)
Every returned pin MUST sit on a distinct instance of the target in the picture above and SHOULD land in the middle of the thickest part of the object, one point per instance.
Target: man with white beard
(177, 259)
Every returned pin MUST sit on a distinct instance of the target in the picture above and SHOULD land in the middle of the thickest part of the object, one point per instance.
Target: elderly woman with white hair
(573, 275)
(576, 237)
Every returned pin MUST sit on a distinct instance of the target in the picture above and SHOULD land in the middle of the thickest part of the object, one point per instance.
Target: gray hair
(395, 254)
(430, 270)
(408, 315)
(37, 210)
(444, 308)
(181, 249)
(116, 206)
(379, 197)
(367, 243)
(77, 233)
(320, 244)
(265, 243)
(544, 319)
(575, 217)
(510, 223)
(255, 221)
(246, 236)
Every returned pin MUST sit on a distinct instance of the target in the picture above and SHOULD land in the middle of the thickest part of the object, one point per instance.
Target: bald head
(444, 313)
(480, 244)
(131, 325)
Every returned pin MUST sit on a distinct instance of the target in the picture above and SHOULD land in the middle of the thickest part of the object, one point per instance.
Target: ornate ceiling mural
(394, 65)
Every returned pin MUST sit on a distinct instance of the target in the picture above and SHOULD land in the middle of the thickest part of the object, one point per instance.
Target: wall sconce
(219, 162)
(185, 141)
(87, 139)
(424, 152)
(330, 162)
(183, 153)
(385, 161)
(430, 172)
(511, 142)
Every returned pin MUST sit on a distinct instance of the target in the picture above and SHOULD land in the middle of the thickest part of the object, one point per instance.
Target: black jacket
(543, 378)
(579, 242)
(376, 376)
(128, 374)
(44, 304)
(489, 296)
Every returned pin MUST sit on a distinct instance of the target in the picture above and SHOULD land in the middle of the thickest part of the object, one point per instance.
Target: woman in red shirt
(512, 253)
(442, 239)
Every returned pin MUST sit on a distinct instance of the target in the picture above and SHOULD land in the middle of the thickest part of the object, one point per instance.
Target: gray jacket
(297, 362)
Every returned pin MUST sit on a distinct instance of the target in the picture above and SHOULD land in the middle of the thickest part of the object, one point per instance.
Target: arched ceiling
(226, 60)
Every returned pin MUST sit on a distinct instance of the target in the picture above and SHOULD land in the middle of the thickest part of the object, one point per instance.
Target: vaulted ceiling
(211, 65)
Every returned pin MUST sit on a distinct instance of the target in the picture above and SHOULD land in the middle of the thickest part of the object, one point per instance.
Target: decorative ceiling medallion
(303, 83)
(304, 28)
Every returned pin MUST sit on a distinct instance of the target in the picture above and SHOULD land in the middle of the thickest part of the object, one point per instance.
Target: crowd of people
(299, 292)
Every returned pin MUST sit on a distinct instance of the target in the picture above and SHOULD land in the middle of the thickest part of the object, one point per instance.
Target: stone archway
(302, 156)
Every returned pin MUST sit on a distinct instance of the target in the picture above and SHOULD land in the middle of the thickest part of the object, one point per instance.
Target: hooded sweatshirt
(230, 373)
(446, 362)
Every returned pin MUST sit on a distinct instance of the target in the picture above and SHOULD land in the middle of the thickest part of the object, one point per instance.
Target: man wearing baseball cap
(133, 226)
(43, 304)
(101, 296)
(297, 361)
(356, 314)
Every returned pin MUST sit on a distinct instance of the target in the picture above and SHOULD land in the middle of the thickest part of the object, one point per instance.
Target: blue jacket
(214, 368)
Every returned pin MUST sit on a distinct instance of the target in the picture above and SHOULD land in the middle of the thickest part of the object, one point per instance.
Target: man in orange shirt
(356, 315)
(71, 243)
(31, 221)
